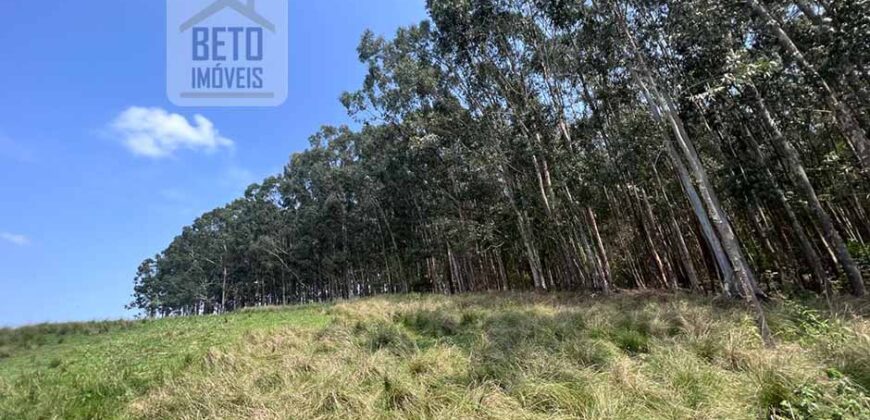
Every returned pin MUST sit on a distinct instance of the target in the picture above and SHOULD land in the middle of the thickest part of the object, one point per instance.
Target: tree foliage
(713, 146)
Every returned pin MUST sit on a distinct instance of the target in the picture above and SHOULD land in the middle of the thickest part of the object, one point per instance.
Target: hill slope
(473, 356)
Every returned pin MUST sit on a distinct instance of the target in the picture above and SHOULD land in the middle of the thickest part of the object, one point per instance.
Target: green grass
(632, 356)
(95, 370)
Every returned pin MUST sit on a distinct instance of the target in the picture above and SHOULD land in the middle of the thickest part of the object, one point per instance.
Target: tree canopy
(711, 146)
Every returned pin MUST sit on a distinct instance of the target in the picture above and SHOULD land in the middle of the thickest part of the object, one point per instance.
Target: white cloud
(15, 239)
(156, 133)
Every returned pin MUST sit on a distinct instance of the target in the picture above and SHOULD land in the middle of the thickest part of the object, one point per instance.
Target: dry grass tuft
(498, 356)
(530, 356)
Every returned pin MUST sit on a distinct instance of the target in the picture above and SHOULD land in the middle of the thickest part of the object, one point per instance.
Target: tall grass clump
(497, 356)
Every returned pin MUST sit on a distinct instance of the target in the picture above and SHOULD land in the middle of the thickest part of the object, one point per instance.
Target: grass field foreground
(475, 356)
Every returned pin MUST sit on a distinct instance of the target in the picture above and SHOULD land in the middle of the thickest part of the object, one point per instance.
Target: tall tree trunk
(599, 244)
(712, 239)
(855, 135)
(717, 214)
(799, 177)
(648, 220)
(809, 252)
(685, 256)
(526, 233)
(808, 9)
(664, 107)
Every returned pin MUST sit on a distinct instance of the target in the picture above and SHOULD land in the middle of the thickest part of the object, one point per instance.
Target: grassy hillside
(474, 356)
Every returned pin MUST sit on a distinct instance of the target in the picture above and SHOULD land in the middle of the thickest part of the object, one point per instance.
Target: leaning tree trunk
(647, 225)
(807, 9)
(855, 135)
(709, 233)
(799, 177)
(532, 255)
(599, 245)
(663, 106)
(717, 214)
(809, 252)
(682, 248)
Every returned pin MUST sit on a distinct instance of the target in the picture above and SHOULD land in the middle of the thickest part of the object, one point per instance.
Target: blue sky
(79, 207)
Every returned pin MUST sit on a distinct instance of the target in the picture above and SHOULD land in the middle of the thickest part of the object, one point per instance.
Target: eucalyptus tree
(845, 118)
(563, 145)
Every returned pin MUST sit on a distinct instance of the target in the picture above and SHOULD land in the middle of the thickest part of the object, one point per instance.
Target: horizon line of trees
(702, 145)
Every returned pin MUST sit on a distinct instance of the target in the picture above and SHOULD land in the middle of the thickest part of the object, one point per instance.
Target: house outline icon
(247, 10)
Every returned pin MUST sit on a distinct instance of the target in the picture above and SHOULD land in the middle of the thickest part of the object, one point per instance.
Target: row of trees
(714, 146)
